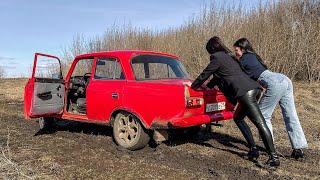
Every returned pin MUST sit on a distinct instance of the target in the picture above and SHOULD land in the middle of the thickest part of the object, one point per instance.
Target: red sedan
(140, 94)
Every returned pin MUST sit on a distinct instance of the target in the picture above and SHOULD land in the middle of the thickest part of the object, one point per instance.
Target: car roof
(128, 53)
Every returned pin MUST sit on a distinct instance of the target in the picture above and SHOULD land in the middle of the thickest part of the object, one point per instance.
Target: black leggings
(248, 106)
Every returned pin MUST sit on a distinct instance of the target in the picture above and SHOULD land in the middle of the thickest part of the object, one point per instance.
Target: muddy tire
(129, 133)
(46, 124)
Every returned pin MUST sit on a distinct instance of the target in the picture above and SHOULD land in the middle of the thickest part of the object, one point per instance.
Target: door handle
(45, 95)
(115, 95)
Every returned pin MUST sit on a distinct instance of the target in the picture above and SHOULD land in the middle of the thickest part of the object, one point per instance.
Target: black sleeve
(213, 82)
(212, 67)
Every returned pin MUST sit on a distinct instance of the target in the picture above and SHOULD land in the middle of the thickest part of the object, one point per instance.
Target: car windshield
(154, 67)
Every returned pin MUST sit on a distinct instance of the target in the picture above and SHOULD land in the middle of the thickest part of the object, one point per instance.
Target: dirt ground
(87, 151)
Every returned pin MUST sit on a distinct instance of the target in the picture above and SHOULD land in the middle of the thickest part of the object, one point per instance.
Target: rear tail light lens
(194, 102)
(191, 101)
(186, 91)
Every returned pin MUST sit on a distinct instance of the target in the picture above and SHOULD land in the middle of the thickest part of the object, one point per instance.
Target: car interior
(107, 68)
(76, 94)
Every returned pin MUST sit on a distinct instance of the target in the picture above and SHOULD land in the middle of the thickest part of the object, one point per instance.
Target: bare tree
(286, 34)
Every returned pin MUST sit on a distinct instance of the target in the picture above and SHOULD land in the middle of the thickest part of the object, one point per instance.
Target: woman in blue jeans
(279, 90)
(244, 90)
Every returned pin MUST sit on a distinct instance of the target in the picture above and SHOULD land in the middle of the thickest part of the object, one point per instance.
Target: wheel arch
(116, 111)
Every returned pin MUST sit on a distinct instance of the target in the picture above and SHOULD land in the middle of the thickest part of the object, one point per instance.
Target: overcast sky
(29, 26)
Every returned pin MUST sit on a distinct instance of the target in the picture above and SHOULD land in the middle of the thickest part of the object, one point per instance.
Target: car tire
(46, 123)
(128, 132)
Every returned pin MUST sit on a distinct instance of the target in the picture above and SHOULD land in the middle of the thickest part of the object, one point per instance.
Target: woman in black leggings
(244, 90)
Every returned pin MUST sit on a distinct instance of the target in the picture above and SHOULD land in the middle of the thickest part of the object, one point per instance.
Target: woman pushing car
(279, 90)
(244, 90)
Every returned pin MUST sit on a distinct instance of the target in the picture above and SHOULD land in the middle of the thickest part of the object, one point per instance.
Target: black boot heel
(297, 154)
(273, 160)
(253, 153)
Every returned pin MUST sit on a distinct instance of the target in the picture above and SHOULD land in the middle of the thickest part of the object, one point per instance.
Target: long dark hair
(215, 44)
(245, 45)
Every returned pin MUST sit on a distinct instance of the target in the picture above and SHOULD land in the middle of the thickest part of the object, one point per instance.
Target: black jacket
(217, 81)
(251, 65)
(237, 83)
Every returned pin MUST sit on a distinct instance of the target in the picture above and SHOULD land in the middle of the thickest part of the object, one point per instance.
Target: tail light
(186, 91)
(192, 101)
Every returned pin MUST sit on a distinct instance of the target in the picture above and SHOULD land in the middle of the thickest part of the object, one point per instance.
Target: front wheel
(46, 123)
(129, 133)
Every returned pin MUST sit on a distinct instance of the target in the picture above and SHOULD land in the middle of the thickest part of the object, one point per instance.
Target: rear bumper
(184, 122)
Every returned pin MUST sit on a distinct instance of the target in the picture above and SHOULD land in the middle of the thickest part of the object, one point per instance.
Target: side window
(83, 66)
(161, 71)
(108, 68)
(139, 70)
(47, 67)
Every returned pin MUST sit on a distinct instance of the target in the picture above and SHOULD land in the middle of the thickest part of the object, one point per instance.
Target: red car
(141, 94)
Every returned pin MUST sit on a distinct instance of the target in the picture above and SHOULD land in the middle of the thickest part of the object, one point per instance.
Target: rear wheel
(46, 123)
(128, 132)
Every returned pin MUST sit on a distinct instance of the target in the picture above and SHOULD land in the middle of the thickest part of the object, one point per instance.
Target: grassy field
(81, 151)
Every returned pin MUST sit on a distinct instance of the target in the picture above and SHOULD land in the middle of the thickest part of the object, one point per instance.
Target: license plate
(215, 106)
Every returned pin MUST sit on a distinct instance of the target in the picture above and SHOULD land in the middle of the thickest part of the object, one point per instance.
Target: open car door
(45, 90)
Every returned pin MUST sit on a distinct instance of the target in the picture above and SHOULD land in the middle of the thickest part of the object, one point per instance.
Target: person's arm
(243, 62)
(212, 67)
(248, 64)
(215, 81)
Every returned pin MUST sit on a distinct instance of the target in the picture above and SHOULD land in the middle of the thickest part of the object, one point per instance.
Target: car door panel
(101, 99)
(47, 98)
(105, 90)
(44, 95)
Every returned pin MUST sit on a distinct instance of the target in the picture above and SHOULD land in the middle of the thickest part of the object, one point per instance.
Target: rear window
(155, 67)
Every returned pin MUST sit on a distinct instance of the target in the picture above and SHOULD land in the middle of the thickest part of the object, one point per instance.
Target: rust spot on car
(159, 123)
(187, 114)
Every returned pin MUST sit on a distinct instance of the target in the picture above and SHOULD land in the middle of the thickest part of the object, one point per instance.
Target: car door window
(83, 66)
(47, 67)
(108, 68)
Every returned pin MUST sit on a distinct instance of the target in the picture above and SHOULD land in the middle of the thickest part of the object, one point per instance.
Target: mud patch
(87, 151)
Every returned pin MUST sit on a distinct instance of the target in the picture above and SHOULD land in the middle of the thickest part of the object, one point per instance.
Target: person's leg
(238, 117)
(249, 102)
(268, 103)
(293, 126)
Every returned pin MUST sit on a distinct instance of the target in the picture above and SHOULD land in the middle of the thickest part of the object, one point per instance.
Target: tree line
(286, 34)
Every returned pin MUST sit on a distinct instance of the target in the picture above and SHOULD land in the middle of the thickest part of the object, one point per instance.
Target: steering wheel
(85, 78)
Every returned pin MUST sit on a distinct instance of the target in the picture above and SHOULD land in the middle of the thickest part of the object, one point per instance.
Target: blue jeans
(279, 89)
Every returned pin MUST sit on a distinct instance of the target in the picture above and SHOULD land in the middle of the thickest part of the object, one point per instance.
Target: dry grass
(79, 153)
(12, 89)
(286, 35)
(11, 93)
(10, 169)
